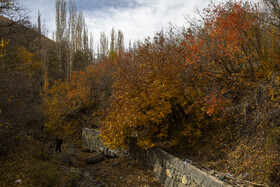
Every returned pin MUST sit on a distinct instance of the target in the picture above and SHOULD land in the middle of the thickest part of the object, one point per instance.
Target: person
(58, 144)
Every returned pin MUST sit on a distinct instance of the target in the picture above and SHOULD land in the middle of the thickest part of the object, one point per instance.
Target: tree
(13, 11)
(103, 45)
(91, 46)
(39, 23)
(72, 33)
(80, 24)
(148, 99)
(60, 31)
(120, 42)
(112, 52)
(113, 41)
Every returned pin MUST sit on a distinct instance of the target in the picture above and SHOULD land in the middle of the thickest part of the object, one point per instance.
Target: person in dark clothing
(58, 144)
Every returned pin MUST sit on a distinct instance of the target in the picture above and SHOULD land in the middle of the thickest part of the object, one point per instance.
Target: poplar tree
(60, 30)
(72, 33)
(112, 44)
(91, 47)
(39, 23)
(103, 45)
(120, 42)
(79, 32)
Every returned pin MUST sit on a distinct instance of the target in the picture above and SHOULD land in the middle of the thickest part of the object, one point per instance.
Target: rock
(65, 158)
(230, 175)
(121, 153)
(91, 140)
(184, 179)
(168, 173)
(18, 181)
(212, 172)
(193, 185)
(158, 169)
(98, 157)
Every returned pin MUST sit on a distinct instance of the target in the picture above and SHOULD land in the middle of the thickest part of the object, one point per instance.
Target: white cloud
(141, 21)
(136, 18)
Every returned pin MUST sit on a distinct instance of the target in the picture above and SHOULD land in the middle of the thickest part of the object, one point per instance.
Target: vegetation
(210, 92)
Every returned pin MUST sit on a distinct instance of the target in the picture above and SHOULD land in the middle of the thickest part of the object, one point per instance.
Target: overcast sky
(136, 18)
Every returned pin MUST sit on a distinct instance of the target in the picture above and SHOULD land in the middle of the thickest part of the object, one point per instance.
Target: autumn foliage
(213, 88)
(147, 93)
(220, 76)
(69, 104)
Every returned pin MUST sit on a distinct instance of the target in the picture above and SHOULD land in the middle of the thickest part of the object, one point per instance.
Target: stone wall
(92, 143)
(170, 170)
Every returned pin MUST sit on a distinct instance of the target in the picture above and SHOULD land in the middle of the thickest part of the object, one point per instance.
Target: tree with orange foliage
(149, 99)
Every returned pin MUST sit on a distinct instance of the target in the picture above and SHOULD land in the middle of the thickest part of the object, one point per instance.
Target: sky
(137, 19)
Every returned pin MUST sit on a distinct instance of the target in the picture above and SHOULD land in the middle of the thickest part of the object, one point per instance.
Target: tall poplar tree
(120, 42)
(72, 33)
(103, 45)
(60, 30)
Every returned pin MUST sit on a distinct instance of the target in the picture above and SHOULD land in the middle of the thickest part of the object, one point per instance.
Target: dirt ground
(121, 172)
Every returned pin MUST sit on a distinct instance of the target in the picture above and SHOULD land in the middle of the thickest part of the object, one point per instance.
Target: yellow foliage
(147, 96)
(64, 98)
(3, 45)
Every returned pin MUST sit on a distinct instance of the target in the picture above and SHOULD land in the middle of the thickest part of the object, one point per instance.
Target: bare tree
(13, 11)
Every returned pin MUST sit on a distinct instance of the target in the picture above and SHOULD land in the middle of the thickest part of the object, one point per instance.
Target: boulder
(91, 140)
(98, 157)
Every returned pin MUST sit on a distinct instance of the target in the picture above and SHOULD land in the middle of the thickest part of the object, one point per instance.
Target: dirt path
(117, 172)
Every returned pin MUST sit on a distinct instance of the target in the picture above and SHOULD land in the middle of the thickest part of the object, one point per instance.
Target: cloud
(103, 4)
(140, 21)
(137, 19)
(142, 18)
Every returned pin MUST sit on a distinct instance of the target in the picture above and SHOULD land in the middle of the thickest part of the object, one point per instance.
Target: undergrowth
(30, 161)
